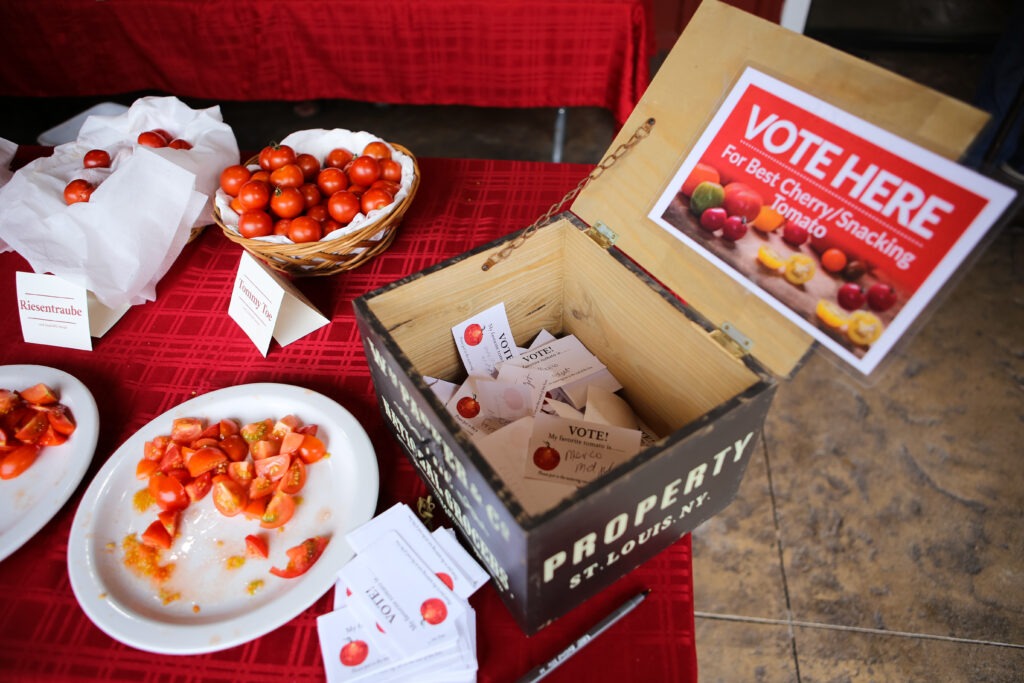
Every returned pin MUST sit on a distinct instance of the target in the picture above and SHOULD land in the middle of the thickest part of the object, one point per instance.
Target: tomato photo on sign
(434, 611)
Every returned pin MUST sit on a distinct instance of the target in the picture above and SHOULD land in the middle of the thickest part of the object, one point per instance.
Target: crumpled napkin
(124, 239)
(7, 150)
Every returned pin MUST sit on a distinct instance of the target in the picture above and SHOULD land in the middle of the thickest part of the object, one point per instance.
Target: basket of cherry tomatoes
(319, 202)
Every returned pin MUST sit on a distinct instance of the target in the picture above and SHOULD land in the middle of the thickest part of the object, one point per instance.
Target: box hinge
(602, 234)
(732, 340)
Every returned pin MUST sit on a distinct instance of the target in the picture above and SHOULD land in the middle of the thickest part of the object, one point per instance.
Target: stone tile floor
(879, 532)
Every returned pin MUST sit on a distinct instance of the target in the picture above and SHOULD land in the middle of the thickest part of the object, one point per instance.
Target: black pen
(600, 627)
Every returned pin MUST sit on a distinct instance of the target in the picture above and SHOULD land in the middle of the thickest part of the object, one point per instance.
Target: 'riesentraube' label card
(266, 306)
(56, 312)
(484, 341)
(577, 451)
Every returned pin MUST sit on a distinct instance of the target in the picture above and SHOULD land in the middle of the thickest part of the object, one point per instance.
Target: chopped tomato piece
(156, 536)
(260, 487)
(173, 458)
(154, 450)
(186, 429)
(60, 419)
(229, 497)
(294, 479)
(255, 508)
(211, 431)
(18, 460)
(199, 487)
(228, 427)
(168, 492)
(51, 437)
(243, 472)
(265, 448)
(291, 442)
(279, 511)
(170, 519)
(255, 431)
(145, 468)
(301, 557)
(39, 395)
(33, 429)
(273, 468)
(312, 449)
(256, 546)
(206, 459)
(287, 424)
(9, 400)
(235, 447)
(308, 429)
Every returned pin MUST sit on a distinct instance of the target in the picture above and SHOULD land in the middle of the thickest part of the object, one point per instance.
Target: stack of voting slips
(401, 606)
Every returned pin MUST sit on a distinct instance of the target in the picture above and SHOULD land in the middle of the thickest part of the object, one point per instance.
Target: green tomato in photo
(705, 196)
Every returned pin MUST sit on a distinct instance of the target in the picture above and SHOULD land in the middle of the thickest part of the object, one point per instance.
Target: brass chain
(639, 134)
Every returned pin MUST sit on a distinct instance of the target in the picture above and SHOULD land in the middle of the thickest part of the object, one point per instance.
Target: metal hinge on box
(732, 340)
(602, 234)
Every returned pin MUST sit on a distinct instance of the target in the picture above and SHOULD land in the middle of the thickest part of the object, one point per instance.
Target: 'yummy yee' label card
(484, 341)
(577, 451)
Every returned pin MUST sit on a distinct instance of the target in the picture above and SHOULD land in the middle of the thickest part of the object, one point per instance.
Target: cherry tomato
(377, 150)
(391, 170)
(260, 487)
(61, 420)
(318, 213)
(343, 206)
(289, 175)
(330, 225)
(178, 143)
(304, 229)
(261, 175)
(281, 226)
(168, 492)
(96, 158)
(274, 156)
(39, 394)
(18, 460)
(206, 459)
(331, 180)
(145, 468)
(256, 546)
(233, 177)
(236, 206)
(235, 447)
(255, 223)
(389, 186)
(152, 138)
(254, 194)
(338, 158)
(242, 472)
(229, 497)
(310, 166)
(312, 449)
(78, 190)
(199, 487)
(287, 202)
(311, 194)
(301, 557)
(374, 199)
(279, 510)
(363, 171)
(294, 479)
(156, 536)
(273, 468)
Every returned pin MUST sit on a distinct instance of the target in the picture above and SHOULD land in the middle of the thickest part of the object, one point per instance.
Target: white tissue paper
(7, 150)
(124, 239)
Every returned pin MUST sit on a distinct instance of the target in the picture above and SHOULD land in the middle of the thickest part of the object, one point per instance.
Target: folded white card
(577, 451)
(56, 312)
(484, 341)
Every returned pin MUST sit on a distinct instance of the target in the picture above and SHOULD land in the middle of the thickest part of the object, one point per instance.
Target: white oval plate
(214, 609)
(30, 500)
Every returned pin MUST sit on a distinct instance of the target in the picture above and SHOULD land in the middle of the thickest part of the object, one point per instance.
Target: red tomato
(301, 557)
(311, 194)
(391, 170)
(254, 194)
(274, 156)
(363, 171)
(18, 460)
(255, 508)
(170, 519)
(260, 487)
(61, 420)
(78, 190)
(235, 447)
(96, 158)
(168, 492)
(338, 158)
(312, 449)
(33, 428)
(279, 511)
(199, 487)
(318, 213)
(178, 143)
(156, 536)
(281, 226)
(255, 223)
(289, 175)
(294, 479)
(374, 199)
(331, 180)
(273, 468)
(186, 429)
(389, 186)
(228, 427)
(51, 437)
(233, 177)
(229, 497)
(152, 138)
(256, 546)
(206, 459)
(377, 150)
(304, 229)
(242, 472)
(343, 206)
(287, 202)
(310, 166)
(146, 468)
(330, 225)
(39, 394)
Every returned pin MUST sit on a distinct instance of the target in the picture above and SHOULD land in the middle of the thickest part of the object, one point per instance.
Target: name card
(268, 307)
(56, 312)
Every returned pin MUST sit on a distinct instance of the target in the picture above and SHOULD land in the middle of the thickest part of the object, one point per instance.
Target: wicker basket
(328, 257)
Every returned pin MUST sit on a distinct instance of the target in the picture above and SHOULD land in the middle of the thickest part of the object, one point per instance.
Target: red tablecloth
(184, 343)
(512, 53)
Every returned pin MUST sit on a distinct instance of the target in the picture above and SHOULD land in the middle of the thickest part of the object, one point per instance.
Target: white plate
(340, 494)
(30, 500)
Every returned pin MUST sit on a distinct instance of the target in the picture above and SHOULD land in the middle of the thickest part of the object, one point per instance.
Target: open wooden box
(704, 389)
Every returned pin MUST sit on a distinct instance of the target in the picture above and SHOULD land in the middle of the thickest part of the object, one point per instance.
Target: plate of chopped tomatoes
(222, 519)
(49, 425)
